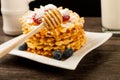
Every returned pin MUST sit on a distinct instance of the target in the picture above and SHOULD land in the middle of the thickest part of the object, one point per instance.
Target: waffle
(70, 34)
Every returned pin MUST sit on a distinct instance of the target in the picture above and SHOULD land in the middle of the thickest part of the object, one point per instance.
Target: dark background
(86, 8)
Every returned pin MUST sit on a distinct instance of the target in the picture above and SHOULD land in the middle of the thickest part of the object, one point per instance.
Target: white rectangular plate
(93, 41)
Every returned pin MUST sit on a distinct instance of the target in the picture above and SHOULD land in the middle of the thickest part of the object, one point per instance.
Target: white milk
(110, 14)
(12, 10)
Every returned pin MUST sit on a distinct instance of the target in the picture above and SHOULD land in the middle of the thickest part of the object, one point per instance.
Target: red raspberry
(37, 20)
(66, 18)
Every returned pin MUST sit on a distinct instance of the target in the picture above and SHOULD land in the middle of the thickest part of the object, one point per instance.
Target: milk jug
(12, 10)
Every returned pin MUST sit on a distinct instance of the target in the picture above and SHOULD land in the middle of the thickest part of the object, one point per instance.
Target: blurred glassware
(110, 16)
(11, 11)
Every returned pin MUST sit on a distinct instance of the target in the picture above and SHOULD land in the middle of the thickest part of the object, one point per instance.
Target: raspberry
(37, 20)
(66, 18)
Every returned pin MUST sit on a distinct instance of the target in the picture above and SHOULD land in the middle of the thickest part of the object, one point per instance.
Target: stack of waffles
(70, 34)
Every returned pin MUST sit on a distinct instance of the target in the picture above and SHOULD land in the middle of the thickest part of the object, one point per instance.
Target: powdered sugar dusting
(29, 17)
(50, 6)
(39, 13)
(64, 12)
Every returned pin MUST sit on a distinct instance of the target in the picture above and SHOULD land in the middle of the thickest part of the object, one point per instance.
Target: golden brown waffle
(68, 35)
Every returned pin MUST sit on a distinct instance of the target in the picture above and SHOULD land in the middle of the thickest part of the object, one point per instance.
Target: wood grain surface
(102, 63)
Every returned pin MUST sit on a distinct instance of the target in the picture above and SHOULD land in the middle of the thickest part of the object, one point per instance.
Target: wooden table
(103, 63)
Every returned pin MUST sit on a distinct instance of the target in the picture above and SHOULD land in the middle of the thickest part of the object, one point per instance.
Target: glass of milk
(12, 10)
(110, 10)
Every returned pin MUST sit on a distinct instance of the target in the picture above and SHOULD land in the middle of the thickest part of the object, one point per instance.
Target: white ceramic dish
(93, 41)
